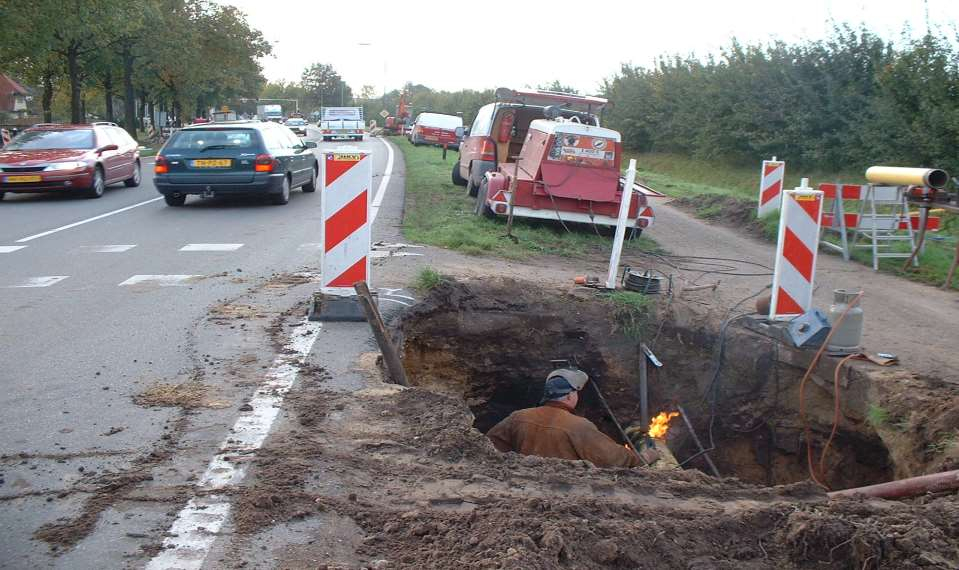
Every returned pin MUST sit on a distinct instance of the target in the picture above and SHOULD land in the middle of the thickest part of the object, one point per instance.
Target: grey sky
(454, 45)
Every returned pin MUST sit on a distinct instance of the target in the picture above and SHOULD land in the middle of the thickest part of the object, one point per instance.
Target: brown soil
(430, 491)
(723, 210)
(190, 394)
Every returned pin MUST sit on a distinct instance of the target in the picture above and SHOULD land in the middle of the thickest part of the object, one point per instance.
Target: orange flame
(660, 424)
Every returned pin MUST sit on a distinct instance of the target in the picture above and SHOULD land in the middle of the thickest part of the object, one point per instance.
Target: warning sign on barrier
(346, 181)
(796, 252)
(771, 186)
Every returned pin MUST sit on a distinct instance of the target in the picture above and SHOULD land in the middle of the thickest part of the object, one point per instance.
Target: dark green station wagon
(236, 157)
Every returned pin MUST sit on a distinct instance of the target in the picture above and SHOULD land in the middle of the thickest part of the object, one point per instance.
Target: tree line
(180, 56)
(843, 103)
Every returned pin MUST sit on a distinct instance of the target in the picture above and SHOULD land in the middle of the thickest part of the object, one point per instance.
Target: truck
(543, 155)
(270, 112)
(341, 122)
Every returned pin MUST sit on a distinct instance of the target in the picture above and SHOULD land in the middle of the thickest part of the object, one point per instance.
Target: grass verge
(440, 213)
(427, 279)
(727, 194)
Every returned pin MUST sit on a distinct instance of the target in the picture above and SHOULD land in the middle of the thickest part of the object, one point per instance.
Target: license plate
(23, 179)
(213, 163)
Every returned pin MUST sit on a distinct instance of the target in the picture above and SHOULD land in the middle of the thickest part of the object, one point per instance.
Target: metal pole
(702, 450)
(621, 224)
(622, 432)
(643, 388)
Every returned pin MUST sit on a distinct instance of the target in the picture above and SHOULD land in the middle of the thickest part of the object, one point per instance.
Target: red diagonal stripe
(796, 253)
(346, 221)
(812, 207)
(336, 168)
(353, 275)
(772, 191)
(770, 168)
(786, 305)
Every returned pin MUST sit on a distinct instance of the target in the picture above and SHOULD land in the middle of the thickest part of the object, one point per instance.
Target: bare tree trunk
(73, 70)
(47, 98)
(129, 97)
(108, 96)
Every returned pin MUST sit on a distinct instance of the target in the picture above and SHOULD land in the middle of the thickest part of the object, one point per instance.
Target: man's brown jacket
(552, 430)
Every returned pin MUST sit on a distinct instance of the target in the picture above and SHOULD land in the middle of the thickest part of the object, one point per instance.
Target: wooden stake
(392, 358)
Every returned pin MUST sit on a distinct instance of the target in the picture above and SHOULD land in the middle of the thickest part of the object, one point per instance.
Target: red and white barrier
(796, 252)
(346, 184)
(771, 186)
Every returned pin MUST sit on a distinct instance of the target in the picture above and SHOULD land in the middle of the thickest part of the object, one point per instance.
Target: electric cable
(836, 411)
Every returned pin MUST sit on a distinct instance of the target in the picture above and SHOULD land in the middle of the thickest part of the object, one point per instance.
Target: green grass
(719, 185)
(427, 279)
(944, 442)
(441, 214)
(630, 311)
(877, 416)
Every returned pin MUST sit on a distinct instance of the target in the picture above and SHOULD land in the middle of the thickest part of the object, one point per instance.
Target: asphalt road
(104, 298)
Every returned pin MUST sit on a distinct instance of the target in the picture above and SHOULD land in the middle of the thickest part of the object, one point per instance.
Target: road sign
(384, 113)
(771, 186)
(796, 252)
(346, 180)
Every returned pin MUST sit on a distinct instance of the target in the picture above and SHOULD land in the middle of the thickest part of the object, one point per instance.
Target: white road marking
(11, 248)
(106, 248)
(88, 220)
(400, 296)
(161, 280)
(309, 246)
(44, 281)
(197, 525)
(211, 247)
(395, 301)
(384, 182)
(379, 253)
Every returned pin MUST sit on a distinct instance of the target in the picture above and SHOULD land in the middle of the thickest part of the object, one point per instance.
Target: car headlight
(65, 166)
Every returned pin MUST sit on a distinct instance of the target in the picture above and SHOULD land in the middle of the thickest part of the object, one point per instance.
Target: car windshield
(48, 139)
(440, 121)
(296, 122)
(205, 138)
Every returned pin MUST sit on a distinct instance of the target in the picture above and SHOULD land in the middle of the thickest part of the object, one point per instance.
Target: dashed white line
(45, 281)
(11, 248)
(160, 280)
(197, 525)
(88, 220)
(118, 248)
(310, 246)
(211, 247)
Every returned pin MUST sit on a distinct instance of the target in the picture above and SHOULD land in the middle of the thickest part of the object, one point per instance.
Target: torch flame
(660, 424)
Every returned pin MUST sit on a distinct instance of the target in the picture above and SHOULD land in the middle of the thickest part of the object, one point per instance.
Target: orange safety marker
(796, 252)
(771, 186)
(346, 183)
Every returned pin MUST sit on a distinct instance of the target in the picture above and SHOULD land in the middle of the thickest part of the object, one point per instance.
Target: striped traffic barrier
(346, 181)
(770, 186)
(796, 252)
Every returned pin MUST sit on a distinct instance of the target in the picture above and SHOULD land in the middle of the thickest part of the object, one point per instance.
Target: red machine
(568, 169)
(394, 124)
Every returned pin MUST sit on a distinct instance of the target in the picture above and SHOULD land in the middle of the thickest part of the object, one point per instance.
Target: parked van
(435, 128)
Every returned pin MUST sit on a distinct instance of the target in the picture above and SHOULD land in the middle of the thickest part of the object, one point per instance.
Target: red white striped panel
(770, 186)
(345, 204)
(796, 253)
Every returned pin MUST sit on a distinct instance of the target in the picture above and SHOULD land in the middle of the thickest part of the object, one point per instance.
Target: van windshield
(438, 121)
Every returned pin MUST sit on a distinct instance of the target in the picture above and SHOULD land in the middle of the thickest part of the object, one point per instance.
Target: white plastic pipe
(621, 224)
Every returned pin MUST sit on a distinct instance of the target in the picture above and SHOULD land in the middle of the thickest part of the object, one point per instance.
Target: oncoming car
(56, 158)
(298, 126)
(241, 157)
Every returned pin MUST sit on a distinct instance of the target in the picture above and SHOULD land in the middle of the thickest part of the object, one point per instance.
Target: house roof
(10, 87)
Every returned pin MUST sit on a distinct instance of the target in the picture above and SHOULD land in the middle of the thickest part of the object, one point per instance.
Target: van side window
(483, 121)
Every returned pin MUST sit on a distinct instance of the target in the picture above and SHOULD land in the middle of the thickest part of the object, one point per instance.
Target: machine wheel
(284, 196)
(134, 180)
(457, 178)
(99, 185)
(482, 208)
(175, 201)
(311, 185)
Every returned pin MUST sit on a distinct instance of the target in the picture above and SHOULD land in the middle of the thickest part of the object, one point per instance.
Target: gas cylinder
(847, 337)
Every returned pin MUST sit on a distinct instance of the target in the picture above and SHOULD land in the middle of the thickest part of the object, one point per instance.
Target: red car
(67, 158)
(436, 129)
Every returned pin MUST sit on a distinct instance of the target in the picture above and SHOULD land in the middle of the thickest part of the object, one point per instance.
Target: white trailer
(341, 122)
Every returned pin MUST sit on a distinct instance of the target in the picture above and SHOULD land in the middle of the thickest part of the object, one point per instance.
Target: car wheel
(482, 209)
(284, 196)
(175, 200)
(134, 180)
(457, 177)
(2, 194)
(311, 185)
(99, 185)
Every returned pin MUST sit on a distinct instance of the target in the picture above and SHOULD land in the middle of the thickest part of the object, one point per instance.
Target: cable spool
(645, 282)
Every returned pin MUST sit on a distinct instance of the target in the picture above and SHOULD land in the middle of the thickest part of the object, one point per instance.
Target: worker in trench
(553, 430)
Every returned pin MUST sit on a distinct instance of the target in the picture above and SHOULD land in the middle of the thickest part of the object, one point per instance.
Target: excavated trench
(491, 343)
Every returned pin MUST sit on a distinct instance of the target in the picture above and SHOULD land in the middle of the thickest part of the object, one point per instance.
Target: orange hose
(836, 411)
(802, 388)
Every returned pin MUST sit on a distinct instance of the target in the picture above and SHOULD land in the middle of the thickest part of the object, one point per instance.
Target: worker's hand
(650, 455)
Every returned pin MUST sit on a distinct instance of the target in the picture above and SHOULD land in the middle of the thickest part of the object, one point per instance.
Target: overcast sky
(453, 45)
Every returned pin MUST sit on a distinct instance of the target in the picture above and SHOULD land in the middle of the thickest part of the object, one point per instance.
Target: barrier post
(346, 180)
(621, 222)
(796, 252)
(770, 186)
